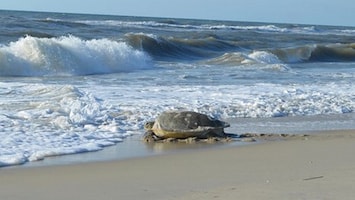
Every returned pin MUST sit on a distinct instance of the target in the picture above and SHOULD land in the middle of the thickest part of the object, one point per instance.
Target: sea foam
(69, 55)
(53, 120)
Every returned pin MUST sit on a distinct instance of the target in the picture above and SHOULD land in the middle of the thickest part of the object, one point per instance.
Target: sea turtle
(185, 124)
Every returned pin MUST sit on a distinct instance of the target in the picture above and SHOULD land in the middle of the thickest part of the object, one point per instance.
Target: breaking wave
(69, 55)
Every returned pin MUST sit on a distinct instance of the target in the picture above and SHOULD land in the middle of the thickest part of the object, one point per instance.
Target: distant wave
(69, 55)
(139, 24)
(318, 53)
(172, 24)
(73, 24)
(303, 54)
(258, 27)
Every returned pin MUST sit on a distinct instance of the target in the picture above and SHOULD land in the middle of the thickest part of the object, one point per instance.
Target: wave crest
(69, 55)
(260, 59)
(166, 48)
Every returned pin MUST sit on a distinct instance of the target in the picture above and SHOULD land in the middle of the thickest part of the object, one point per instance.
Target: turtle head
(148, 126)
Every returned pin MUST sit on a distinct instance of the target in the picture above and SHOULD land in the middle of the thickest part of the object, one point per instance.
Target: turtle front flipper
(149, 136)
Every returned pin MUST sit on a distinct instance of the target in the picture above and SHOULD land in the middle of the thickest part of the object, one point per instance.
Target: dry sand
(321, 166)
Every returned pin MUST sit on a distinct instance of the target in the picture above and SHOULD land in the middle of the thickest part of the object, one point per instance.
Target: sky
(316, 12)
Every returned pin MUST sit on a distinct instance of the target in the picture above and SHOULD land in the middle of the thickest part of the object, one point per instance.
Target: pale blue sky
(325, 12)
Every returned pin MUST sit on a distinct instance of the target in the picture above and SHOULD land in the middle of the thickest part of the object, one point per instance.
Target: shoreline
(131, 148)
(319, 166)
(134, 147)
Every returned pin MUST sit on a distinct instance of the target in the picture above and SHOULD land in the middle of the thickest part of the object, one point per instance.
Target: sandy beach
(319, 166)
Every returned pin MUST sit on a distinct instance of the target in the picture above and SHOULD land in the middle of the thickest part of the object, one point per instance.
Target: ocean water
(79, 83)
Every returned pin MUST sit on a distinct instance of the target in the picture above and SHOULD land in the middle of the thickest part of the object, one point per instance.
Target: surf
(69, 55)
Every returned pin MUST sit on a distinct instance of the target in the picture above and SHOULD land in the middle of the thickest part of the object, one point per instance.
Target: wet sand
(319, 166)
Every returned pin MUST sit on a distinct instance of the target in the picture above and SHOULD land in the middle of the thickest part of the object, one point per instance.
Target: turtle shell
(184, 124)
